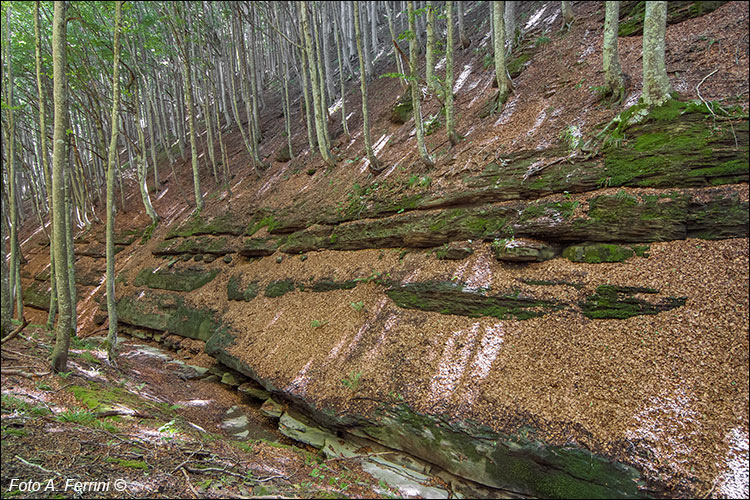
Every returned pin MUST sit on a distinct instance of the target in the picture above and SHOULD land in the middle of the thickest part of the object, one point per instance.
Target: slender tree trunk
(567, 12)
(59, 63)
(306, 95)
(142, 164)
(391, 29)
(373, 161)
(317, 101)
(450, 121)
(430, 50)
(465, 42)
(415, 92)
(188, 89)
(510, 25)
(111, 162)
(321, 80)
(70, 256)
(341, 82)
(330, 87)
(612, 71)
(6, 303)
(656, 86)
(15, 272)
(504, 85)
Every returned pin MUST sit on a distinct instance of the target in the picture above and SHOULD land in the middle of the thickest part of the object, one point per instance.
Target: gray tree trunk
(465, 42)
(317, 98)
(60, 96)
(374, 167)
(567, 12)
(111, 162)
(430, 50)
(612, 70)
(416, 94)
(504, 84)
(510, 25)
(450, 121)
(656, 86)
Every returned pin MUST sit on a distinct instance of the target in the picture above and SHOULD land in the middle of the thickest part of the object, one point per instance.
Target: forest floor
(153, 423)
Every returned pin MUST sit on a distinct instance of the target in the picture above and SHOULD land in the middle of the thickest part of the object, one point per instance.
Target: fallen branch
(25, 462)
(23, 373)
(187, 480)
(125, 413)
(697, 90)
(24, 324)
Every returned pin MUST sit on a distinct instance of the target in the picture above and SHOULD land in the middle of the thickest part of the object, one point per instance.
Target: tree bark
(612, 70)
(656, 86)
(373, 161)
(415, 91)
(60, 96)
(465, 42)
(111, 162)
(450, 121)
(567, 12)
(317, 98)
(510, 25)
(504, 84)
(430, 51)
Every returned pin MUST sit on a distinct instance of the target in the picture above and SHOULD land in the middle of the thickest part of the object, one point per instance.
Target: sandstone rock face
(544, 315)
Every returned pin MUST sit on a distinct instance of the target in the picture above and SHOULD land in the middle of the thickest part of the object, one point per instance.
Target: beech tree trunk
(111, 162)
(612, 70)
(504, 84)
(416, 94)
(373, 166)
(59, 155)
(317, 98)
(656, 86)
(450, 121)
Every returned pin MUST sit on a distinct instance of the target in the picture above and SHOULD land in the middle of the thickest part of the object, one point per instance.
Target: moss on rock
(235, 289)
(455, 298)
(619, 302)
(594, 253)
(184, 280)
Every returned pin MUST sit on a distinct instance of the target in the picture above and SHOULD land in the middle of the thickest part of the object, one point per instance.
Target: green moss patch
(279, 287)
(402, 110)
(594, 253)
(517, 462)
(619, 302)
(167, 313)
(198, 225)
(632, 14)
(235, 290)
(194, 246)
(184, 280)
(37, 295)
(455, 298)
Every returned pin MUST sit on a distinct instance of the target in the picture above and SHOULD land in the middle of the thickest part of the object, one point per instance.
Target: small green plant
(317, 323)
(600, 90)
(352, 381)
(487, 61)
(542, 40)
(357, 306)
(64, 374)
(43, 386)
(572, 136)
(87, 356)
(317, 474)
(168, 430)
